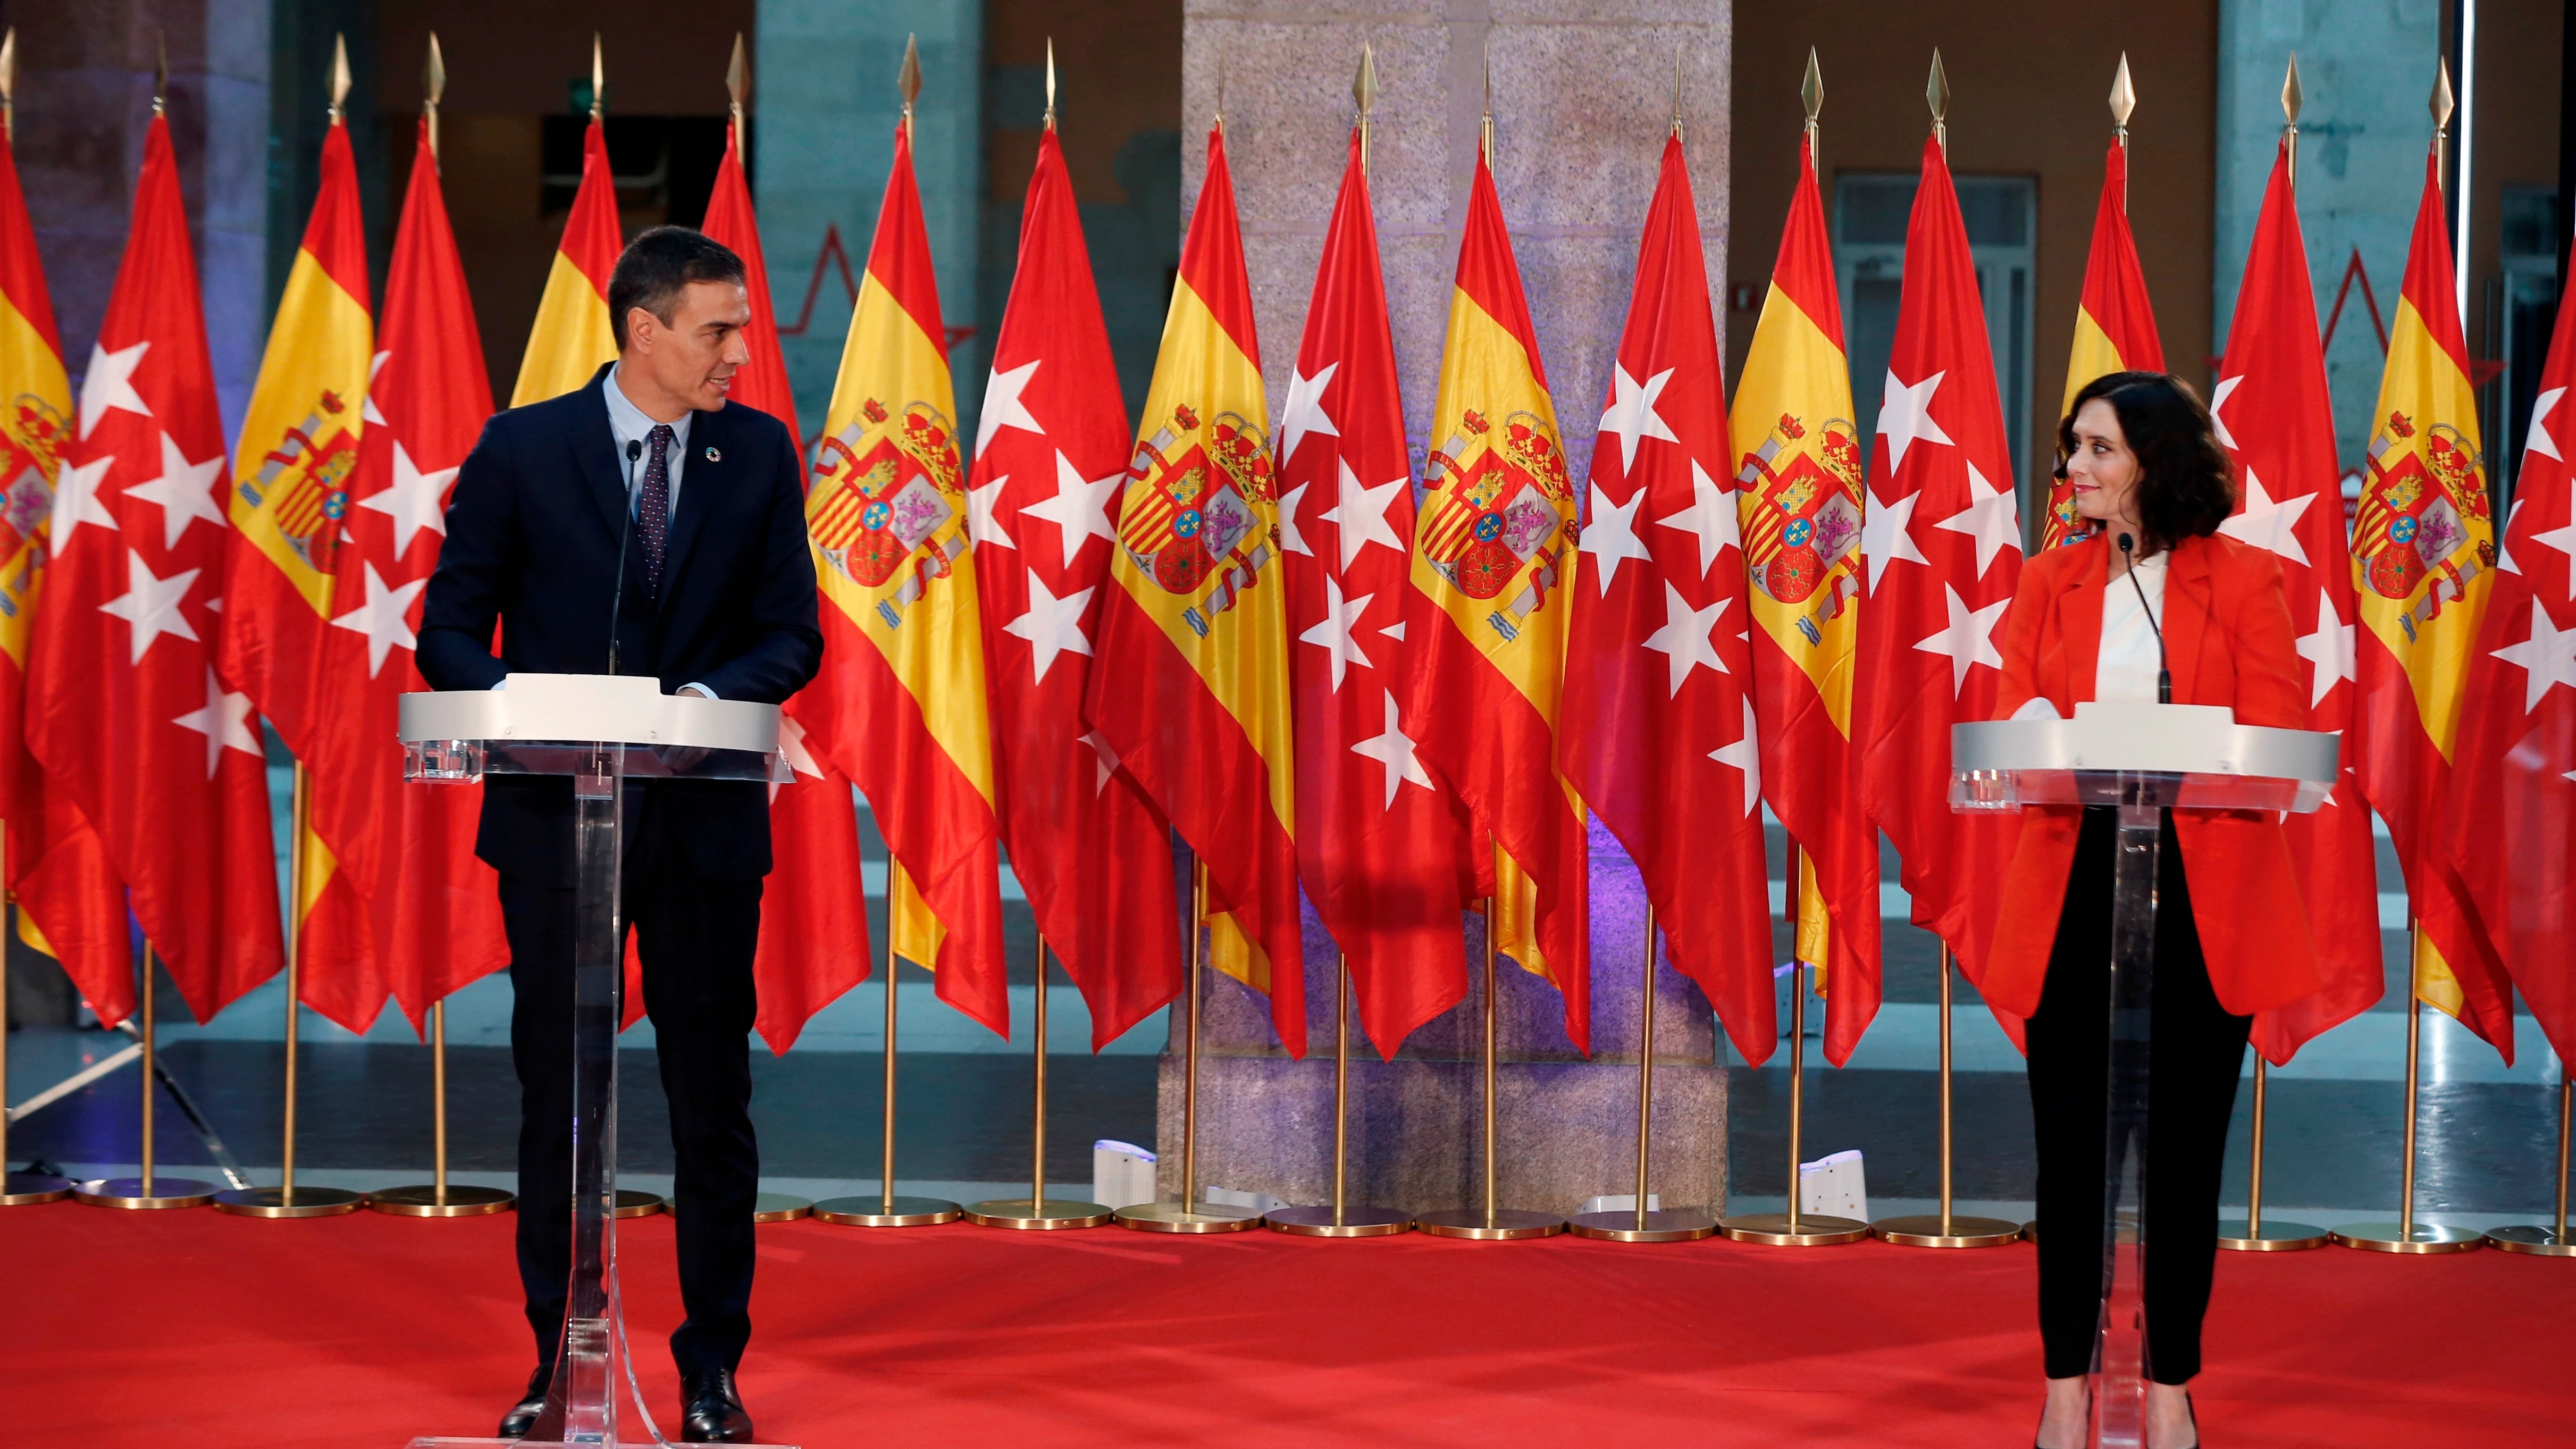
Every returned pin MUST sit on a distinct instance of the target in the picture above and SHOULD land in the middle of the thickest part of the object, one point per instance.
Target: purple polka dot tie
(653, 508)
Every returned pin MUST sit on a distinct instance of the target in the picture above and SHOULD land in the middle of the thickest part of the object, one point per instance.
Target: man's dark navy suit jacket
(532, 544)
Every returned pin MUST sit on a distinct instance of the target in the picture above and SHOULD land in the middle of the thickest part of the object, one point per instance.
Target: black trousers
(2191, 1089)
(695, 938)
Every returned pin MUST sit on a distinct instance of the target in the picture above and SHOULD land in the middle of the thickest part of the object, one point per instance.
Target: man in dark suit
(705, 502)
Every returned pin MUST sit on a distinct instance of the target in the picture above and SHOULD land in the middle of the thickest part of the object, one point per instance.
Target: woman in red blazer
(2231, 931)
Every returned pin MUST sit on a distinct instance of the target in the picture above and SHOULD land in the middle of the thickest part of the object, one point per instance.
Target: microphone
(626, 530)
(2164, 676)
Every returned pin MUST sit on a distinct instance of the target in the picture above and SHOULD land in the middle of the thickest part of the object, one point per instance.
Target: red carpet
(152, 1329)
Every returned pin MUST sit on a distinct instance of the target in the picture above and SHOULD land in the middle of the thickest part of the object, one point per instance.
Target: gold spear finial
(2124, 98)
(1050, 83)
(1812, 91)
(1936, 94)
(2441, 106)
(1485, 133)
(433, 86)
(1677, 90)
(908, 80)
(1220, 88)
(598, 77)
(2291, 100)
(737, 84)
(9, 87)
(339, 77)
(161, 73)
(1364, 96)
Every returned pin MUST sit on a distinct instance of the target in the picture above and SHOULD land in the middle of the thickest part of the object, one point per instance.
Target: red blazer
(2228, 640)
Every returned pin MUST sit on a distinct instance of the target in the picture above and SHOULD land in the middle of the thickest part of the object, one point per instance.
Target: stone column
(84, 103)
(1583, 95)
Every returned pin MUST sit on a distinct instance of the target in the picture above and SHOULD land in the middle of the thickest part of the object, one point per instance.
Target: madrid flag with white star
(1657, 730)
(1493, 553)
(813, 914)
(124, 705)
(1092, 852)
(2275, 415)
(1943, 540)
(2512, 808)
(1378, 839)
(291, 488)
(2424, 561)
(430, 913)
(899, 706)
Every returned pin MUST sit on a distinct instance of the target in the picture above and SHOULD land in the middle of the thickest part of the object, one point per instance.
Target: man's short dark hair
(658, 266)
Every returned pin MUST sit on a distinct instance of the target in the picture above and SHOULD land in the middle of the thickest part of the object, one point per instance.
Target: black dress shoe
(711, 1409)
(523, 1415)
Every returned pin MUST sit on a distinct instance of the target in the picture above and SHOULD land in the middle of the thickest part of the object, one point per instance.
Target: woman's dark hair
(2184, 490)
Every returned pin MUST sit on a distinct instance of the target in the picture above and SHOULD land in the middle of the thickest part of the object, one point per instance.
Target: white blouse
(2125, 669)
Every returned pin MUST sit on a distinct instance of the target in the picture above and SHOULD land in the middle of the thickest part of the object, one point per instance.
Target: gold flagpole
(438, 1199)
(283, 1201)
(1190, 1215)
(1945, 1229)
(150, 1190)
(1037, 1210)
(1789, 1229)
(1341, 1220)
(2547, 1240)
(1643, 1223)
(2407, 1235)
(1490, 1223)
(21, 1189)
(2250, 1235)
(140, 1192)
(886, 1210)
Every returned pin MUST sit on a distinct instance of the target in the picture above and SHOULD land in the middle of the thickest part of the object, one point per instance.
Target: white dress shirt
(2125, 668)
(628, 424)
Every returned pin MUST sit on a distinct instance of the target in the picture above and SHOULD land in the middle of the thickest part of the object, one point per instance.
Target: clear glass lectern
(2141, 759)
(601, 730)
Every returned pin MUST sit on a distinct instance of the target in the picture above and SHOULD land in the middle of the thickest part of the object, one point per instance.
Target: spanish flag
(572, 337)
(55, 864)
(1190, 686)
(2424, 558)
(1800, 471)
(2115, 330)
(1493, 558)
(899, 706)
(291, 476)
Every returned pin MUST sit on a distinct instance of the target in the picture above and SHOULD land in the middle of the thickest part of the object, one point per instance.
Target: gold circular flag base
(1924, 1230)
(2274, 1238)
(2538, 1238)
(277, 1202)
(1814, 1230)
(26, 1189)
(2389, 1238)
(1197, 1217)
(1670, 1225)
(1503, 1225)
(636, 1203)
(424, 1201)
(874, 1211)
(780, 1207)
(128, 1192)
(1053, 1215)
(1350, 1222)
(2030, 1231)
